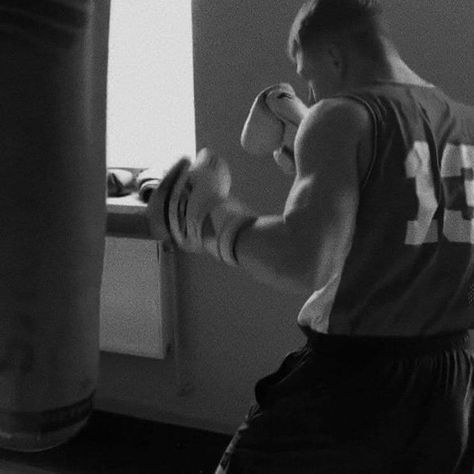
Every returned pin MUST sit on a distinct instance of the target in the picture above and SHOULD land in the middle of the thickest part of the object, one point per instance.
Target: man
(378, 229)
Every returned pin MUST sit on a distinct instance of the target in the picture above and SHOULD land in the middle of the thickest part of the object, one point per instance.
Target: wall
(234, 330)
(437, 39)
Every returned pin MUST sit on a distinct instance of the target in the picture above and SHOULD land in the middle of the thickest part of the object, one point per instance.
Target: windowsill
(126, 217)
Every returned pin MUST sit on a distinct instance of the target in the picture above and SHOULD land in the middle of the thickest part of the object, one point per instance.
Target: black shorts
(343, 405)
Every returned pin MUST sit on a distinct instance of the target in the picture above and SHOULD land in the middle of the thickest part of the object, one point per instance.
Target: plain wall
(234, 330)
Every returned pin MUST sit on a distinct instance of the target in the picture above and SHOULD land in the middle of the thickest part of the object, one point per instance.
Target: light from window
(150, 111)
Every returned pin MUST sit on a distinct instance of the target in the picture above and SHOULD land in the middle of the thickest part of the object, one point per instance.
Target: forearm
(269, 251)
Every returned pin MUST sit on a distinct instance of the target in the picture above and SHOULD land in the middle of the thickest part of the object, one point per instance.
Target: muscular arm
(303, 248)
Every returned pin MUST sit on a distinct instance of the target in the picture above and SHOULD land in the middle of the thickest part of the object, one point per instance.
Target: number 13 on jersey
(457, 176)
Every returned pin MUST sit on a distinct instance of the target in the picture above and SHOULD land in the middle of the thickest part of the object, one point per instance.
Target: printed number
(457, 174)
(418, 165)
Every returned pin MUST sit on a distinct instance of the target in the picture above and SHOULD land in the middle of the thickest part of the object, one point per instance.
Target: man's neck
(391, 68)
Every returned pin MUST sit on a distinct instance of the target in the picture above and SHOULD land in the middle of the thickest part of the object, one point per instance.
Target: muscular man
(378, 229)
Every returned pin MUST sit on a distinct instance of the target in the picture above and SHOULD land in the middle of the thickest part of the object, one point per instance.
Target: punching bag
(53, 57)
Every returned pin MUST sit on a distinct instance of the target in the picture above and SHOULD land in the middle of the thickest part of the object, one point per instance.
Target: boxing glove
(272, 124)
(148, 180)
(120, 182)
(192, 207)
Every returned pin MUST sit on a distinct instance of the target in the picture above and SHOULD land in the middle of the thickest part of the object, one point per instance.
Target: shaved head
(357, 23)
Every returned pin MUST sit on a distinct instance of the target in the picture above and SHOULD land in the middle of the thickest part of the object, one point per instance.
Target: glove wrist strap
(227, 219)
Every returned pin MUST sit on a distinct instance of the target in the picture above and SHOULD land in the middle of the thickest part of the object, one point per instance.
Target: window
(150, 111)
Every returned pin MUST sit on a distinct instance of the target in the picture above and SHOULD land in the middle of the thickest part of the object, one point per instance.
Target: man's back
(410, 268)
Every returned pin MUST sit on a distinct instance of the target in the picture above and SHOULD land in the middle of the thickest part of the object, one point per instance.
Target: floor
(116, 444)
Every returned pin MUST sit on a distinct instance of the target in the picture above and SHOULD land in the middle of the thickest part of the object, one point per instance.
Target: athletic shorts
(344, 405)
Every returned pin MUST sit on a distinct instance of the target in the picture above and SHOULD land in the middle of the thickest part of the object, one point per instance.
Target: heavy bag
(53, 57)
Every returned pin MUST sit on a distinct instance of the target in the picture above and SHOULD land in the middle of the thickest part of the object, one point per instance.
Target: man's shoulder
(336, 130)
(338, 116)
(338, 108)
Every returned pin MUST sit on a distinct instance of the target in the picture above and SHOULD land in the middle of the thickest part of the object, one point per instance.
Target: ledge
(126, 217)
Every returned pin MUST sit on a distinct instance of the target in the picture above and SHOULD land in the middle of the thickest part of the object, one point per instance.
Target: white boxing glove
(147, 180)
(120, 182)
(272, 124)
(192, 207)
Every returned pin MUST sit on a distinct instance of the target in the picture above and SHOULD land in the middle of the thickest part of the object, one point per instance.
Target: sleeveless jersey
(409, 270)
